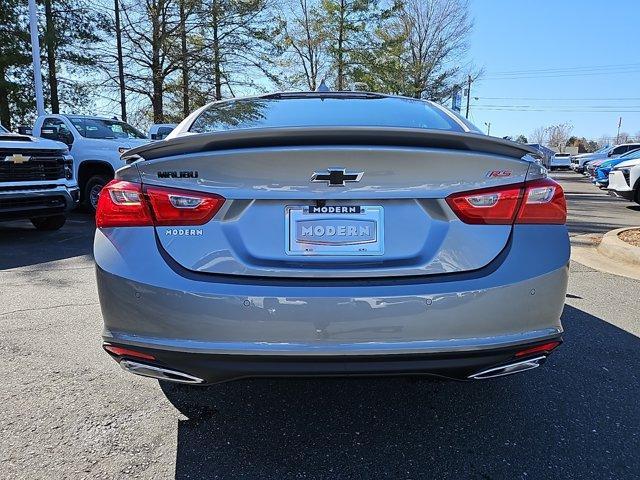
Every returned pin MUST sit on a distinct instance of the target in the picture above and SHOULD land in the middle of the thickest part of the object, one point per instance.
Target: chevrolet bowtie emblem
(16, 158)
(336, 177)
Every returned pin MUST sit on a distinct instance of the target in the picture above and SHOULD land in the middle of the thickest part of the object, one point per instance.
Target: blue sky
(572, 38)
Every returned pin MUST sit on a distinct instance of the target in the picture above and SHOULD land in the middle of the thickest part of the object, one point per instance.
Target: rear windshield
(318, 111)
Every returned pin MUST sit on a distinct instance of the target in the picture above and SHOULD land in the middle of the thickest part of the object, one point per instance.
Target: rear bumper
(211, 368)
(626, 194)
(437, 323)
(37, 202)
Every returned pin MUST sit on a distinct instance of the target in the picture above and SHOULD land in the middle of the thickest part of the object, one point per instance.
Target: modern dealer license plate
(343, 230)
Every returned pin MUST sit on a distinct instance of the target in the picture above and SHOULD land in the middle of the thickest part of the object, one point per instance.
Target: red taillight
(127, 352)
(489, 206)
(546, 348)
(543, 203)
(182, 207)
(122, 204)
(127, 204)
(537, 201)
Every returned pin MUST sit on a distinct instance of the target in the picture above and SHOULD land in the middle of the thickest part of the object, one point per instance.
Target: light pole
(488, 125)
(618, 134)
(469, 81)
(35, 51)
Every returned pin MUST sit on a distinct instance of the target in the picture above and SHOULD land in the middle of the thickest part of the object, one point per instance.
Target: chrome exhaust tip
(517, 367)
(158, 372)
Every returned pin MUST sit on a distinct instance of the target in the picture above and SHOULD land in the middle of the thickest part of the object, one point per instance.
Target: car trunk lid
(392, 220)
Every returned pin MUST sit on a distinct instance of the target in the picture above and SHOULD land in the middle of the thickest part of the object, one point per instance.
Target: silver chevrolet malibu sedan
(330, 233)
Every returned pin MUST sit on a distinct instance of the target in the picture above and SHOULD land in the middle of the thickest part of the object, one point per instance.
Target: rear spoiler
(310, 136)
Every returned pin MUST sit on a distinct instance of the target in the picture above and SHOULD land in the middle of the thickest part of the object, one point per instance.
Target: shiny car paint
(441, 289)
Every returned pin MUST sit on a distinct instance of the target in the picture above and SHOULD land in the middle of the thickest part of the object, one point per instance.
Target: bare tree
(623, 137)
(539, 136)
(436, 33)
(117, 26)
(558, 135)
(304, 54)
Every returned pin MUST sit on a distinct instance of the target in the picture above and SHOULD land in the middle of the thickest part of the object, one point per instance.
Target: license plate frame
(334, 230)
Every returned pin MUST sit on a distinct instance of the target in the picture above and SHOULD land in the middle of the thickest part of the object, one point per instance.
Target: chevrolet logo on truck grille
(16, 158)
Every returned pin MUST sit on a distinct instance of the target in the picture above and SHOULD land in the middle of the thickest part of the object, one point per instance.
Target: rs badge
(499, 173)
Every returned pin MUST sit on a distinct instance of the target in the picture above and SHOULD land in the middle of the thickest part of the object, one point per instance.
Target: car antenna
(323, 87)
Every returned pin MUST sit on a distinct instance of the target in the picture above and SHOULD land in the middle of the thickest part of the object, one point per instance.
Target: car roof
(91, 117)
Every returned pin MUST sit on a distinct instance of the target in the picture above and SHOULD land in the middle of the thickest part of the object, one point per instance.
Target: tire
(92, 190)
(49, 223)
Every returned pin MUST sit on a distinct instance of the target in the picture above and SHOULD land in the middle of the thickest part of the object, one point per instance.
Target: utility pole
(468, 94)
(35, 51)
(488, 125)
(123, 100)
(618, 134)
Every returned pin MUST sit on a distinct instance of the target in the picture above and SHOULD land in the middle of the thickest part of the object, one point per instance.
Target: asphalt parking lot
(68, 411)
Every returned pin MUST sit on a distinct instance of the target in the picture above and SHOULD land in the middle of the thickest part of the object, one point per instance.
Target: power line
(585, 74)
(561, 98)
(522, 110)
(563, 69)
(558, 106)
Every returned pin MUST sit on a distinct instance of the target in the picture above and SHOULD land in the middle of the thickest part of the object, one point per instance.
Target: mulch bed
(631, 236)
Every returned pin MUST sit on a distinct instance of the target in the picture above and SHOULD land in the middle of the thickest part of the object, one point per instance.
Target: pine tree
(16, 77)
(71, 35)
(345, 23)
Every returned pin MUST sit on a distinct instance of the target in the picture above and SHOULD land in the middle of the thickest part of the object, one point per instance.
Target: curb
(612, 247)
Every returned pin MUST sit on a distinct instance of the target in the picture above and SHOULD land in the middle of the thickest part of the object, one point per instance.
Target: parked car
(624, 180)
(545, 153)
(601, 173)
(579, 161)
(96, 144)
(160, 131)
(560, 161)
(36, 180)
(590, 167)
(330, 233)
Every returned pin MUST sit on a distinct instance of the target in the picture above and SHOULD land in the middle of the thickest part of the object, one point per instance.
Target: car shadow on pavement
(578, 416)
(22, 245)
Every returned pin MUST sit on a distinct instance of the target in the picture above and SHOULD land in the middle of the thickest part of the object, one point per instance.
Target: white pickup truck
(96, 144)
(36, 180)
